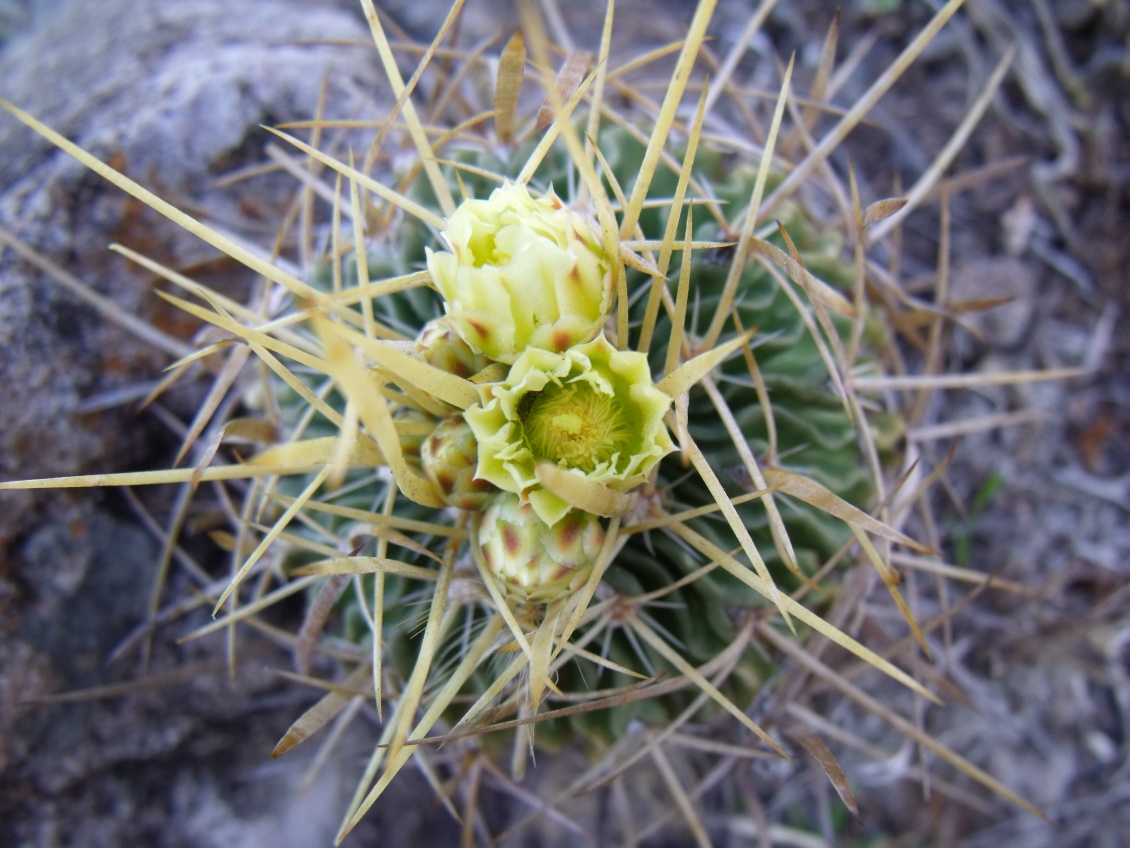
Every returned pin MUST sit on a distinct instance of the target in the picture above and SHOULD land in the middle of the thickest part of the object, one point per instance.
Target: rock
(173, 94)
(1004, 326)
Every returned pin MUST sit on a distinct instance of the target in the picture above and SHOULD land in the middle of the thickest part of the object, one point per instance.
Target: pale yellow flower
(521, 272)
(592, 410)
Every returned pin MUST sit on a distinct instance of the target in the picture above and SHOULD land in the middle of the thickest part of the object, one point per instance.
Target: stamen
(575, 426)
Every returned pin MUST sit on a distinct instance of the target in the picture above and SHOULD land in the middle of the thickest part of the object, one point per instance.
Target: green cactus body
(814, 435)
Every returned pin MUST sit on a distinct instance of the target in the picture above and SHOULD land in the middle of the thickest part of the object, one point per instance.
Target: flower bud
(413, 425)
(521, 272)
(441, 347)
(450, 458)
(536, 563)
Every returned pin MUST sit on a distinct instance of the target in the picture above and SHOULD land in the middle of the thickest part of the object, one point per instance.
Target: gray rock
(173, 94)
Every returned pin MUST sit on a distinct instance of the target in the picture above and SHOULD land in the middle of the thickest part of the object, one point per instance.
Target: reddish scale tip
(562, 340)
(569, 530)
(446, 481)
(480, 330)
(511, 541)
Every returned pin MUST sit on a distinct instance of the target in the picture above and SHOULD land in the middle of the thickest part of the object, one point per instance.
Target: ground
(1038, 680)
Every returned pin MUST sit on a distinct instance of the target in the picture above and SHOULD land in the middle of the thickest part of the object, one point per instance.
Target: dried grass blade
(926, 183)
(814, 494)
(694, 675)
(745, 242)
(319, 715)
(828, 763)
(862, 106)
(268, 540)
(187, 222)
(666, 116)
(802, 613)
(411, 119)
(373, 409)
(508, 86)
(439, 703)
(367, 565)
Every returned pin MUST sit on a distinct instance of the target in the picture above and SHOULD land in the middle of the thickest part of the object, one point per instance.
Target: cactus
(615, 436)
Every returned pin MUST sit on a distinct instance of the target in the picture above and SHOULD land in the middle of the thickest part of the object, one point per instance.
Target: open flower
(536, 563)
(522, 272)
(592, 410)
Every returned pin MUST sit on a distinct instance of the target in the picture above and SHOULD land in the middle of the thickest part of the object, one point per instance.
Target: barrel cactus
(568, 425)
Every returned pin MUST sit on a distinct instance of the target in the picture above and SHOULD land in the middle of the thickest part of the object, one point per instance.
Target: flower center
(574, 426)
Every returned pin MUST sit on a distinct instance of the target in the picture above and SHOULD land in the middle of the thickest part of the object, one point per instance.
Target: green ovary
(575, 426)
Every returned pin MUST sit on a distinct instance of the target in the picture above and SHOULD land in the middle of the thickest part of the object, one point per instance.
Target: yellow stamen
(575, 426)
